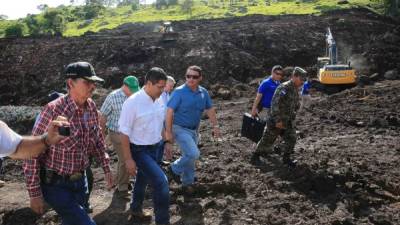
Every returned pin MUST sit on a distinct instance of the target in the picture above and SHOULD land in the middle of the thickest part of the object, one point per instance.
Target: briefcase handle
(256, 117)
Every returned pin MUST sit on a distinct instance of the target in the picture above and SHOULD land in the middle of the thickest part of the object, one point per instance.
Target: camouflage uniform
(285, 104)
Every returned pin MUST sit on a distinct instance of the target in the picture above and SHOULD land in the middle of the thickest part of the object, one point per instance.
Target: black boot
(288, 161)
(255, 159)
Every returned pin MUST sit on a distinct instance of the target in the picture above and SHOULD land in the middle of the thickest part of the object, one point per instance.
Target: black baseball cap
(82, 70)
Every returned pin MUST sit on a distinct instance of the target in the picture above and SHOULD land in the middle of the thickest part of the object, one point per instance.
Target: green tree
(54, 21)
(33, 24)
(14, 30)
(93, 10)
(391, 7)
(172, 2)
(187, 6)
(160, 4)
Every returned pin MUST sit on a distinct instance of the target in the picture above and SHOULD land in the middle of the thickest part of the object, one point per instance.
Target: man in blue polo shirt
(185, 108)
(265, 92)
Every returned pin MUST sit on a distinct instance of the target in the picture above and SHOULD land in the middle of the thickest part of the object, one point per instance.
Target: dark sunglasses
(194, 77)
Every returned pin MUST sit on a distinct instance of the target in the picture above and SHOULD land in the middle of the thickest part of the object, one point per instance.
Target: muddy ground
(348, 151)
(348, 147)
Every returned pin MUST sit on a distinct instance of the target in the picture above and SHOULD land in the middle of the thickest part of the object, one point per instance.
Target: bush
(135, 6)
(15, 30)
(93, 10)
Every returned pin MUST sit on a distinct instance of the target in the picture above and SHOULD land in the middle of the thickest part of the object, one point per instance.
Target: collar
(72, 106)
(188, 88)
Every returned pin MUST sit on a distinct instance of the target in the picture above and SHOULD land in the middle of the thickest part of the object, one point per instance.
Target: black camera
(64, 131)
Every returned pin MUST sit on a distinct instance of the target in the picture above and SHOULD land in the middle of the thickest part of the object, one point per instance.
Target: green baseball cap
(132, 83)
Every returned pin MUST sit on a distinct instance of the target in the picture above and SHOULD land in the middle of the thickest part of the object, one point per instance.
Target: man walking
(165, 96)
(265, 92)
(141, 125)
(58, 174)
(185, 108)
(110, 113)
(285, 104)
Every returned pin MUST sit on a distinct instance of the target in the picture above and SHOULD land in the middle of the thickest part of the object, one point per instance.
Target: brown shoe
(141, 215)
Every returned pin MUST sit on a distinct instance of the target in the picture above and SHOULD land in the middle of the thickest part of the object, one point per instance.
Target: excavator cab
(168, 32)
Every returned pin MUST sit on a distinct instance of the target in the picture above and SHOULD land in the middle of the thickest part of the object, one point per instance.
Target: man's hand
(168, 151)
(168, 136)
(216, 132)
(37, 205)
(130, 166)
(53, 136)
(254, 113)
(109, 180)
(279, 125)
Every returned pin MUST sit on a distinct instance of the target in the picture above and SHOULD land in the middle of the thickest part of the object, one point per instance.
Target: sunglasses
(194, 77)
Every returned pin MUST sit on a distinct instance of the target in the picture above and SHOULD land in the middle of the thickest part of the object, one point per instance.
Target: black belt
(149, 146)
(50, 176)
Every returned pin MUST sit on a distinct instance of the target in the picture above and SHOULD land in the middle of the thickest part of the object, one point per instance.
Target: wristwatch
(44, 140)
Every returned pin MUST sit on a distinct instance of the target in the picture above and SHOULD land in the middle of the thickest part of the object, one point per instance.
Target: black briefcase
(252, 128)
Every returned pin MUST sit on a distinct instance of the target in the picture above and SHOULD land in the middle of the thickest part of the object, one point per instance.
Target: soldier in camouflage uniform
(285, 104)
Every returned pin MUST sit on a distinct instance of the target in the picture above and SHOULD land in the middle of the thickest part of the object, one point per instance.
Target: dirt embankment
(239, 48)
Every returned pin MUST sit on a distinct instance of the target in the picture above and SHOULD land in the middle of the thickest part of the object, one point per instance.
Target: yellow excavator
(332, 76)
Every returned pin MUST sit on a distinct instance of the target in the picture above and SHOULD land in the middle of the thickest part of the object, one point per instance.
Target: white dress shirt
(9, 140)
(142, 119)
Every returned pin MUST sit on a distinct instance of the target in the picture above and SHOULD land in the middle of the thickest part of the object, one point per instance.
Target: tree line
(52, 21)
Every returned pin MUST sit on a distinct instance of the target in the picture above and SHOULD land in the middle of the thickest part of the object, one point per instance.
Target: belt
(149, 146)
(189, 127)
(50, 176)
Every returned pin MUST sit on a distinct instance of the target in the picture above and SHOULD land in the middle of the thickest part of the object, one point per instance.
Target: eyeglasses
(194, 77)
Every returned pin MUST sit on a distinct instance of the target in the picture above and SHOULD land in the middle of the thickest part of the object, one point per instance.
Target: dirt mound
(242, 48)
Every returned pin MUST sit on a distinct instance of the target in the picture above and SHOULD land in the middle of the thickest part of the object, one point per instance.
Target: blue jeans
(150, 172)
(185, 166)
(67, 198)
(160, 152)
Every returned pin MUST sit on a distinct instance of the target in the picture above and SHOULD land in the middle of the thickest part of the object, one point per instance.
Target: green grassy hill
(201, 9)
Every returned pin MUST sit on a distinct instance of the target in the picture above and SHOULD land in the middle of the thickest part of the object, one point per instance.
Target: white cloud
(15, 9)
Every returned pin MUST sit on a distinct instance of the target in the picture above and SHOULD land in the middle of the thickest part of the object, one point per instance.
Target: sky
(15, 9)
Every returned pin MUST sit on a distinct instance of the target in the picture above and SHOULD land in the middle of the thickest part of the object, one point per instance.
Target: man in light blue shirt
(185, 108)
(165, 96)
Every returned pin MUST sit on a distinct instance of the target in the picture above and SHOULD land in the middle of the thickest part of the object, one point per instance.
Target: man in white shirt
(18, 147)
(141, 124)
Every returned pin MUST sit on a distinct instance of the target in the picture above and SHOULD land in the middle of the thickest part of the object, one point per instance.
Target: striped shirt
(70, 155)
(112, 107)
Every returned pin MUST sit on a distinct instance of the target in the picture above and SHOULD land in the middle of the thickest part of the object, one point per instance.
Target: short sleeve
(106, 107)
(263, 87)
(208, 100)
(127, 117)
(174, 101)
(9, 140)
